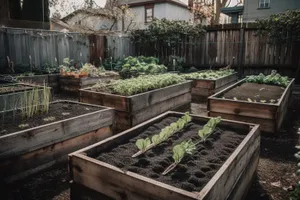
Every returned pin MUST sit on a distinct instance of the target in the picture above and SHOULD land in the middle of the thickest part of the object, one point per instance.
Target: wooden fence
(235, 45)
(33, 49)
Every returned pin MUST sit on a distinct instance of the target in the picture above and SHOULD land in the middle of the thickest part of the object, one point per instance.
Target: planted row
(137, 85)
(272, 79)
(209, 74)
(186, 147)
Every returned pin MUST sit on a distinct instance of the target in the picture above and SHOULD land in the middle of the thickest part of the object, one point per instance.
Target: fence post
(241, 52)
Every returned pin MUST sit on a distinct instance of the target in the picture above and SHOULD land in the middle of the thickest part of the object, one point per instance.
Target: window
(264, 4)
(149, 12)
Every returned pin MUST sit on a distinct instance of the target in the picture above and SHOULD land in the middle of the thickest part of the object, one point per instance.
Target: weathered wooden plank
(163, 106)
(31, 139)
(120, 103)
(32, 162)
(270, 116)
(143, 100)
(118, 184)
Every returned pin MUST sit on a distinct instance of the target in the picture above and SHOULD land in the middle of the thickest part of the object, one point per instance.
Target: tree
(219, 4)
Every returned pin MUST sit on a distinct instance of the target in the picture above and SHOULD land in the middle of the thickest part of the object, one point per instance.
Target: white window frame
(149, 18)
(264, 3)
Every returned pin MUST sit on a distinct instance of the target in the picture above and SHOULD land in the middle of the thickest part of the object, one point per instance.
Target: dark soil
(58, 110)
(193, 172)
(13, 88)
(256, 92)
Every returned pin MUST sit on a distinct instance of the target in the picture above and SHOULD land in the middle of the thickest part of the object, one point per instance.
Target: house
(145, 11)
(259, 9)
(91, 19)
(59, 25)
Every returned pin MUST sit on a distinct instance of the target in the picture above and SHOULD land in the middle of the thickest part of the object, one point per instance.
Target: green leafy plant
(209, 127)
(22, 126)
(188, 146)
(137, 85)
(146, 144)
(272, 79)
(49, 119)
(35, 101)
(209, 74)
(179, 151)
(136, 66)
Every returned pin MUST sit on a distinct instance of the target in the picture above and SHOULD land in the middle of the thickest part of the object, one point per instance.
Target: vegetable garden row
(126, 138)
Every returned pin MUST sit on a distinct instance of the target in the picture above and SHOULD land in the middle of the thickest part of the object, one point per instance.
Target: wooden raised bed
(203, 88)
(132, 110)
(269, 115)
(28, 151)
(73, 85)
(92, 178)
(51, 80)
(13, 97)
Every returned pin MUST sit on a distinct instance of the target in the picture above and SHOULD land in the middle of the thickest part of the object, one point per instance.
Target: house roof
(230, 10)
(99, 11)
(134, 3)
(61, 23)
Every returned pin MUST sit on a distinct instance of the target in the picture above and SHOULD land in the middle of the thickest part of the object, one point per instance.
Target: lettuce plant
(209, 74)
(188, 146)
(272, 79)
(145, 144)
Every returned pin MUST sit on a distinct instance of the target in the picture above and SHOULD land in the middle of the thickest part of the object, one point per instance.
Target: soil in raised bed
(61, 110)
(193, 172)
(13, 88)
(255, 91)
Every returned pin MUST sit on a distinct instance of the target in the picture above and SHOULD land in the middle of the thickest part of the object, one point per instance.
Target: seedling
(250, 100)
(188, 147)
(22, 126)
(49, 119)
(179, 151)
(65, 113)
(234, 98)
(146, 144)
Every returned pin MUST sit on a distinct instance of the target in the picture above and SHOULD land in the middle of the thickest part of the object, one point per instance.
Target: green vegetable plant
(272, 79)
(179, 151)
(137, 85)
(188, 147)
(145, 144)
(209, 74)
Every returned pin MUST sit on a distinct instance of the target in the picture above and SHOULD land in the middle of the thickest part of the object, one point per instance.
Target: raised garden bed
(220, 168)
(11, 94)
(73, 85)
(51, 80)
(204, 87)
(134, 109)
(252, 102)
(48, 138)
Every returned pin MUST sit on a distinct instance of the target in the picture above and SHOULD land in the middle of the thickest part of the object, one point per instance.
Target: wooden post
(241, 52)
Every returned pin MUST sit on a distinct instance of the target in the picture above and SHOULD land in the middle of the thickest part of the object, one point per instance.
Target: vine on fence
(281, 28)
(167, 33)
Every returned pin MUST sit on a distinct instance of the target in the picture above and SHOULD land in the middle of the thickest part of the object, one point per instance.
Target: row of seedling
(186, 147)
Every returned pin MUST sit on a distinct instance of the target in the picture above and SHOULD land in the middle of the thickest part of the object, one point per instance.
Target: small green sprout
(49, 119)
(22, 126)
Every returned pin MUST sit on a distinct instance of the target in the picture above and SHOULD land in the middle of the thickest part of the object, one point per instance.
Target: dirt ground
(274, 180)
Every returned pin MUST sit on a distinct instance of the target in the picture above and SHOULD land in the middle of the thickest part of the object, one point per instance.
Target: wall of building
(161, 10)
(92, 22)
(253, 12)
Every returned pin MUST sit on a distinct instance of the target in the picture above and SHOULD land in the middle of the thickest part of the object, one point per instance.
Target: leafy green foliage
(135, 66)
(93, 71)
(166, 32)
(209, 128)
(180, 150)
(138, 85)
(282, 27)
(272, 79)
(209, 74)
(142, 144)
(164, 134)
